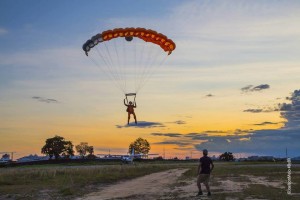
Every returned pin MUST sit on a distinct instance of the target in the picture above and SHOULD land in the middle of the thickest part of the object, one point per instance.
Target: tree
(140, 146)
(227, 156)
(58, 146)
(69, 149)
(84, 148)
(91, 153)
(90, 150)
(5, 156)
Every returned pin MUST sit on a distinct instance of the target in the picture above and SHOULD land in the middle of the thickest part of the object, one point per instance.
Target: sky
(231, 84)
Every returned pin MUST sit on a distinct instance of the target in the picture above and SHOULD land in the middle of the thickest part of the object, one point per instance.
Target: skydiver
(130, 109)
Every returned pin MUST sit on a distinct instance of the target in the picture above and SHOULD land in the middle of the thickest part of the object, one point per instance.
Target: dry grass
(67, 181)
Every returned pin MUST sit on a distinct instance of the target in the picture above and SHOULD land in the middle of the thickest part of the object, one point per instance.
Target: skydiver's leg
(128, 118)
(134, 118)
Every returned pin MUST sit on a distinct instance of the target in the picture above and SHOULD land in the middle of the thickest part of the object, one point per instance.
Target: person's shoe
(200, 193)
(209, 194)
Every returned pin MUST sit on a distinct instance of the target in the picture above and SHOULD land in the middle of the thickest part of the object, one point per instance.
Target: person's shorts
(203, 178)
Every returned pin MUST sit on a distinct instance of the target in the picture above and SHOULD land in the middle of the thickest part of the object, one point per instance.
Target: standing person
(204, 169)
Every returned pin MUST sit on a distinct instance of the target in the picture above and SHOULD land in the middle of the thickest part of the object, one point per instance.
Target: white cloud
(3, 31)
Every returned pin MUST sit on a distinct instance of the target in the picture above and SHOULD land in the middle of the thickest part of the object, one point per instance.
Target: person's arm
(199, 168)
(125, 103)
(212, 166)
(134, 102)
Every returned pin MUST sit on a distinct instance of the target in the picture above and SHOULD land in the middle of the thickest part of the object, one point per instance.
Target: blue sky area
(232, 83)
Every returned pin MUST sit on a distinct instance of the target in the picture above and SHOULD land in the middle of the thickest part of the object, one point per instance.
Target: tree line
(57, 147)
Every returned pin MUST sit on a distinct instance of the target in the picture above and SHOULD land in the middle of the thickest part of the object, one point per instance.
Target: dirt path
(151, 186)
(166, 186)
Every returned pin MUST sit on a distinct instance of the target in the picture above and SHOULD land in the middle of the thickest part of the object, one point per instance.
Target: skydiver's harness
(130, 94)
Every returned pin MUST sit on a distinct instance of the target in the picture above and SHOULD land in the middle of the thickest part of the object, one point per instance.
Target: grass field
(228, 181)
(30, 182)
(250, 181)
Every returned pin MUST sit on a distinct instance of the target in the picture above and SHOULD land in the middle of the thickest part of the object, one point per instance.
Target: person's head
(205, 152)
(130, 102)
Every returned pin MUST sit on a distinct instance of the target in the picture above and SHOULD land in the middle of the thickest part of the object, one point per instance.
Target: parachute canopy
(129, 55)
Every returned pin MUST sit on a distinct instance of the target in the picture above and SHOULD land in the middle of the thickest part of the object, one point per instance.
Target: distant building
(253, 158)
(31, 158)
(260, 158)
(214, 157)
(5, 158)
(296, 158)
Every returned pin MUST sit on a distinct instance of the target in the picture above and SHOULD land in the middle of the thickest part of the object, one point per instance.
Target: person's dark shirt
(205, 165)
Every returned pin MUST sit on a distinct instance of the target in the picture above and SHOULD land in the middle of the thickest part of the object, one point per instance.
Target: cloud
(266, 123)
(260, 110)
(215, 131)
(209, 95)
(174, 142)
(285, 107)
(279, 107)
(242, 132)
(260, 142)
(141, 124)
(253, 110)
(3, 31)
(292, 114)
(245, 139)
(263, 142)
(179, 122)
(246, 88)
(261, 87)
(45, 100)
(251, 88)
(167, 134)
(206, 133)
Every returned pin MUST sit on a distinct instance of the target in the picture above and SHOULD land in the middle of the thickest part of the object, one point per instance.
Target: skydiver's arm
(125, 103)
(134, 102)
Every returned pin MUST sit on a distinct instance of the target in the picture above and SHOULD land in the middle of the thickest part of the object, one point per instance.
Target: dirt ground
(168, 185)
(151, 186)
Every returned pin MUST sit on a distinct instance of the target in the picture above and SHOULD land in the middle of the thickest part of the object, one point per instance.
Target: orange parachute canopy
(147, 35)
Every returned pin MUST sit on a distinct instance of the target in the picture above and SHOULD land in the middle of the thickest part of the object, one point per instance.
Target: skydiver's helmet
(130, 103)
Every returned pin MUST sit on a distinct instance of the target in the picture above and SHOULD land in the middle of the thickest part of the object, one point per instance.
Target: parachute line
(129, 56)
(108, 67)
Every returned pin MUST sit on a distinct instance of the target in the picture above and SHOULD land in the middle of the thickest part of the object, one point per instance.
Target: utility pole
(164, 153)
